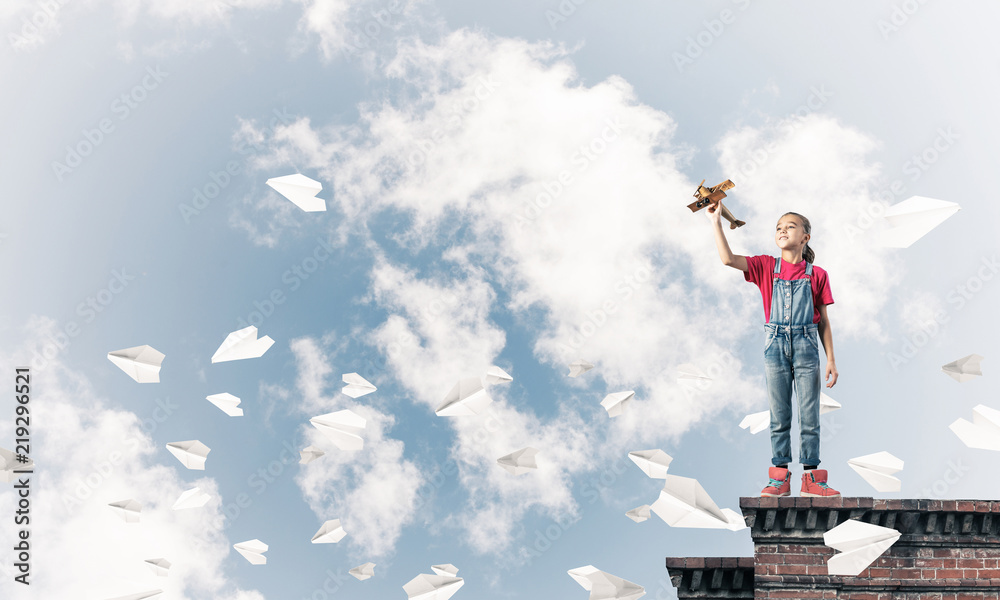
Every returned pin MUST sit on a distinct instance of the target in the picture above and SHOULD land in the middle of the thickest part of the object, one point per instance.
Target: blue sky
(467, 228)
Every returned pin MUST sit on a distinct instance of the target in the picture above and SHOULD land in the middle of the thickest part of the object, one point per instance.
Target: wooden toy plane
(711, 196)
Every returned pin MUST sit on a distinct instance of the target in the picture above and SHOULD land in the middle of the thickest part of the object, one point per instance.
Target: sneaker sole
(808, 495)
(775, 495)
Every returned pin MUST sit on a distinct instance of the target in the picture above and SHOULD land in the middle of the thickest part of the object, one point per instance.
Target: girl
(795, 294)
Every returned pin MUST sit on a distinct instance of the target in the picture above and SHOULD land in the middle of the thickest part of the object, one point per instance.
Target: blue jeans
(792, 354)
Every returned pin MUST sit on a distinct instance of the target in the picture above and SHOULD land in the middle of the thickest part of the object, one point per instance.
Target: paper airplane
(984, 430)
(654, 463)
(141, 363)
(10, 465)
(468, 397)
(192, 498)
(615, 403)
(343, 428)
(964, 369)
(362, 572)
(639, 514)
(357, 385)
(605, 586)
(756, 422)
(432, 587)
(691, 376)
(242, 344)
(191, 453)
(253, 551)
(139, 596)
(159, 566)
(128, 510)
(712, 196)
(579, 368)
(519, 462)
(300, 190)
(309, 454)
(860, 544)
(227, 403)
(447, 570)
(827, 404)
(329, 533)
(497, 375)
(877, 469)
(914, 218)
(684, 503)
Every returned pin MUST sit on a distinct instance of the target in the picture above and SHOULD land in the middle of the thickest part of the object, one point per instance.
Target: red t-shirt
(760, 270)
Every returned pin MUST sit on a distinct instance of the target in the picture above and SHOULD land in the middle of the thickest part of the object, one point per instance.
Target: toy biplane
(711, 196)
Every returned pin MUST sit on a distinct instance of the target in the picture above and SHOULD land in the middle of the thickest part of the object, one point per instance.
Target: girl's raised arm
(736, 261)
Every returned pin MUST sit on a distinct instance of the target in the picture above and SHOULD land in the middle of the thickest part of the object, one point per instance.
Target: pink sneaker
(780, 483)
(814, 485)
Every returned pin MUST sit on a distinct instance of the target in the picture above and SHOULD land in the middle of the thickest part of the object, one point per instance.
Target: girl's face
(790, 235)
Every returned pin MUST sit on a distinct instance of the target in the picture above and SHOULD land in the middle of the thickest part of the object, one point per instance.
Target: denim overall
(791, 353)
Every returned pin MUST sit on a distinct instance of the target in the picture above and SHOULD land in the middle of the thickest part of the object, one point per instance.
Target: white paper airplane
(447, 570)
(639, 513)
(191, 453)
(9, 465)
(615, 403)
(756, 422)
(984, 430)
(329, 533)
(691, 376)
(497, 375)
(129, 510)
(468, 397)
(159, 566)
(877, 469)
(300, 190)
(309, 454)
(860, 544)
(827, 404)
(227, 403)
(139, 596)
(141, 363)
(357, 385)
(519, 462)
(253, 551)
(362, 572)
(654, 463)
(579, 368)
(964, 369)
(192, 498)
(432, 587)
(605, 586)
(913, 218)
(242, 344)
(684, 503)
(343, 428)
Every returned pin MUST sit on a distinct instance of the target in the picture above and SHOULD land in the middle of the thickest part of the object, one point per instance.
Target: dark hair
(807, 252)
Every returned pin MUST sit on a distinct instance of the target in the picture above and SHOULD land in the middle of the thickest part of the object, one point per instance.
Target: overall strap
(777, 267)
(809, 269)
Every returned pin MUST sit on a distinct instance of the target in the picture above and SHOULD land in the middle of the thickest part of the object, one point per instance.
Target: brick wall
(948, 550)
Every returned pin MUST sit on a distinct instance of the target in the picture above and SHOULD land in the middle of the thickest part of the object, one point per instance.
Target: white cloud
(357, 29)
(89, 454)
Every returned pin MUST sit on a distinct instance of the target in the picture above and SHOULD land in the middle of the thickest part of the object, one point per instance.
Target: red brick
(967, 506)
(791, 570)
(946, 573)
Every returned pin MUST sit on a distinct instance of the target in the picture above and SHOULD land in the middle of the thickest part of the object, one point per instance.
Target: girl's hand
(713, 212)
(831, 371)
